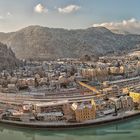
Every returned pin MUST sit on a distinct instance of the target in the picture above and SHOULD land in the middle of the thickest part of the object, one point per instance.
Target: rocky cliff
(7, 58)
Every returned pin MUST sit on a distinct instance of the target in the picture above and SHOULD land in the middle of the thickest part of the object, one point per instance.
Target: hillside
(43, 42)
(7, 58)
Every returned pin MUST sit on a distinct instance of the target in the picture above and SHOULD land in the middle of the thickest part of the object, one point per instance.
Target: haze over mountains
(48, 43)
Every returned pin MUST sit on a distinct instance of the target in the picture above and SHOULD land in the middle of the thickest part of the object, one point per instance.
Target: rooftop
(61, 102)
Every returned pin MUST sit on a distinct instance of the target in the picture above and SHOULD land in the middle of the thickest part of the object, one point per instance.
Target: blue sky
(16, 14)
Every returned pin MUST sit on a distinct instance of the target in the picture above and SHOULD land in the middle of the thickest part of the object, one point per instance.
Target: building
(135, 96)
(51, 116)
(84, 112)
(122, 82)
(116, 70)
(69, 114)
(112, 91)
(50, 111)
(123, 102)
(46, 107)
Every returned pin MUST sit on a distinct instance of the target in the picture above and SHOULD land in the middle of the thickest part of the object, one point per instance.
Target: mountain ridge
(50, 43)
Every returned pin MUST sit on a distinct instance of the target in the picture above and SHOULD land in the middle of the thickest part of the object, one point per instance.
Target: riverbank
(65, 125)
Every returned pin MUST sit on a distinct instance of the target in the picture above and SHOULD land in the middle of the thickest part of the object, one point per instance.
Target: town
(70, 90)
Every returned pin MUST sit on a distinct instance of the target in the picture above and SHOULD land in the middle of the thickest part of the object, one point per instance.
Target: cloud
(40, 8)
(5, 16)
(131, 25)
(69, 9)
(9, 14)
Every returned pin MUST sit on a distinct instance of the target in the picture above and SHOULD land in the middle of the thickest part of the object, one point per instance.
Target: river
(128, 130)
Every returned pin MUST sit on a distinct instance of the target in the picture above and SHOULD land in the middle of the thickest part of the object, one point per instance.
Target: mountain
(7, 58)
(42, 42)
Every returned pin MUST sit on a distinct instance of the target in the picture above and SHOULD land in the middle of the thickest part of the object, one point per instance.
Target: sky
(70, 14)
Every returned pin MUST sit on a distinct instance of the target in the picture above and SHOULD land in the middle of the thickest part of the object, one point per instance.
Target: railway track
(19, 99)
